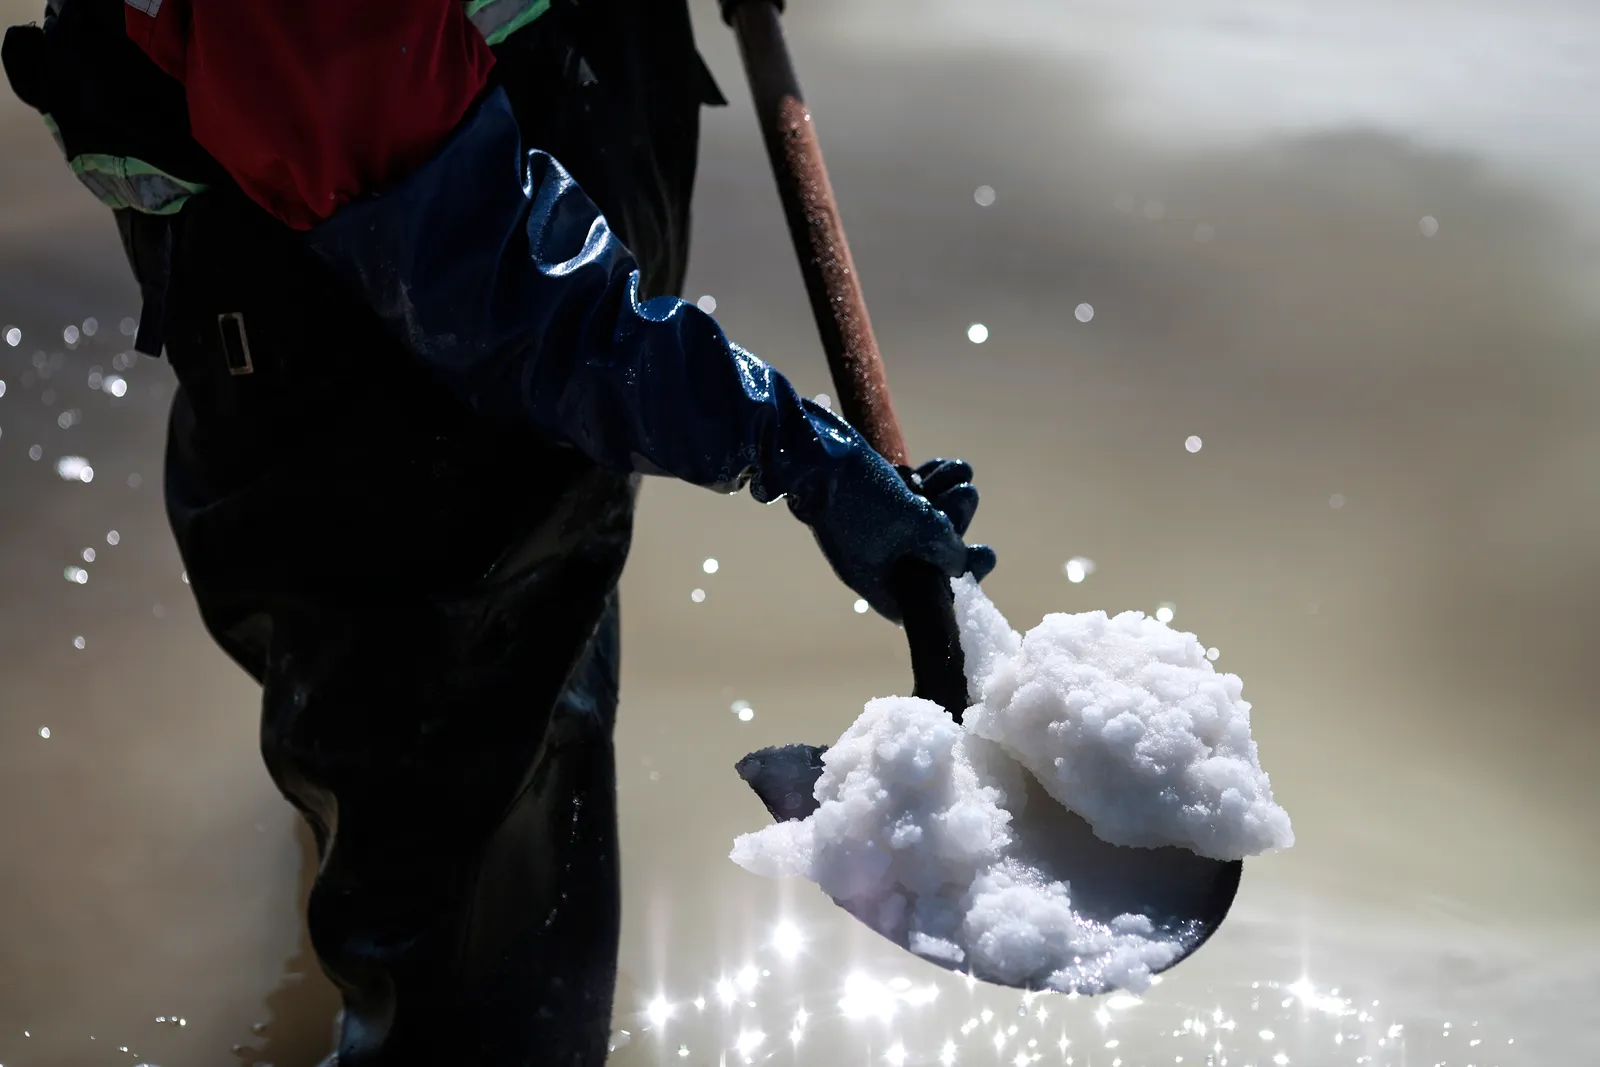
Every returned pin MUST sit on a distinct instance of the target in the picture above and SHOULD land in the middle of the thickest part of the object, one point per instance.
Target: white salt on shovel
(1064, 835)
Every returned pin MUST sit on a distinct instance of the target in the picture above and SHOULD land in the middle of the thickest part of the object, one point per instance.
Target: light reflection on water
(876, 1017)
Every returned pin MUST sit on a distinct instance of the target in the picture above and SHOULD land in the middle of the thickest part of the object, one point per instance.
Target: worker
(415, 266)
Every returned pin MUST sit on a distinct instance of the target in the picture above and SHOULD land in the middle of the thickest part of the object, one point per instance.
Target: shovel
(1170, 884)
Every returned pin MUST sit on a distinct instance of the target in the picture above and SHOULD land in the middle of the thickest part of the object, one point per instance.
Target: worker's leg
(430, 606)
(467, 902)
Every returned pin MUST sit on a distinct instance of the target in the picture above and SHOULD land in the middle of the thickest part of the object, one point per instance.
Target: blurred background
(1350, 247)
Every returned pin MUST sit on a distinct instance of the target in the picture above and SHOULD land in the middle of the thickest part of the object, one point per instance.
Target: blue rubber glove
(505, 281)
(866, 516)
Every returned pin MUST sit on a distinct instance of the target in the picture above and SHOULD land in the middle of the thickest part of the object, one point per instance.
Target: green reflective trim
(107, 192)
(55, 133)
(120, 182)
(539, 8)
(499, 19)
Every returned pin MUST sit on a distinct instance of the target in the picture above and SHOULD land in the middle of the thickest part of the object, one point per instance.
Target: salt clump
(1124, 721)
(1121, 720)
(912, 837)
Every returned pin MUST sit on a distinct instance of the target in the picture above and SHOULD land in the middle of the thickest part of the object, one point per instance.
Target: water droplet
(1083, 312)
(746, 714)
(116, 386)
(823, 400)
(91, 326)
(977, 333)
(862, 607)
(13, 336)
(128, 327)
(88, 555)
(1428, 225)
(113, 538)
(1165, 612)
(79, 642)
(707, 303)
(2, 387)
(134, 481)
(698, 596)
(1078, 568)
(77, 575)
(70, 335)
(44, 731)
(35, 453)
(984, 195)
(710, 566)
(1192, 443)
(74, 469)
(185, 577)
(1336, 501)
(1212, 654)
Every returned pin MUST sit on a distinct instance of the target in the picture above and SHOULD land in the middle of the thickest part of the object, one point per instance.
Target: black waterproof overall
(430, 605)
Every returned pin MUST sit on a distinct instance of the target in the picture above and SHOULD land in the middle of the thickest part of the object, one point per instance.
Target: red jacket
(309, 104)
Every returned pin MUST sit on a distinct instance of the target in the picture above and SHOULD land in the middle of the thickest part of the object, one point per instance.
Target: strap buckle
(235, 343)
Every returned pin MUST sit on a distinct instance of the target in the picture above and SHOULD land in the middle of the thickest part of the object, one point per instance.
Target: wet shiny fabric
(523, 301)
(429, 603)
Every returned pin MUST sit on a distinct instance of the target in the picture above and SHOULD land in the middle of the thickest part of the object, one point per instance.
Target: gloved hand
(867, 515)
(947, 484)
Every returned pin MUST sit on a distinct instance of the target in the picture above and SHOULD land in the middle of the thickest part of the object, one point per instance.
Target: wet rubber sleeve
(501, 275)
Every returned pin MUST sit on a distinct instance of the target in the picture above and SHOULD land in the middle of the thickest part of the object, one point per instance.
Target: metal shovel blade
(1177, 889)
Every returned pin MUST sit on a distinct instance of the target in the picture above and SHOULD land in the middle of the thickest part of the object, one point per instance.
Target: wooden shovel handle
(922, 592)
(819, 241)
